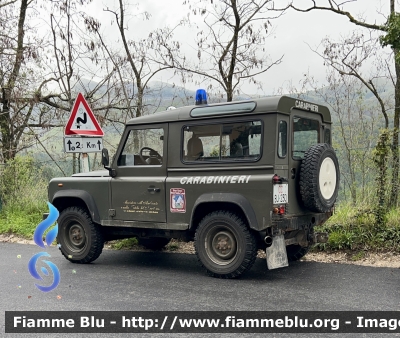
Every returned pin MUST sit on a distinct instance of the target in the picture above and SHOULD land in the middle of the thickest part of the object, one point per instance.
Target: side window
(142, 147)
(239, 141)
(282, 139)
(327, 136)
(305, 134)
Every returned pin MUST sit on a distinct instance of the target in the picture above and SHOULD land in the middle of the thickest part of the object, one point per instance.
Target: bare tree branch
(3, 4)
(336, 8)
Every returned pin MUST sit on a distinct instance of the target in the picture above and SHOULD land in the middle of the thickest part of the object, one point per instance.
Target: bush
(126, 243)
(23, 196)
(356, 228)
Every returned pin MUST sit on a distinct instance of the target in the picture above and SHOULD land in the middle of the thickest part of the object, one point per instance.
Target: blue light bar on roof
(201, 97)
(224, 109)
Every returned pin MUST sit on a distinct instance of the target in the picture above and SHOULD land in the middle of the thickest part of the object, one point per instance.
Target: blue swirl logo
(44, 225)
(35, 274)
(38, 239)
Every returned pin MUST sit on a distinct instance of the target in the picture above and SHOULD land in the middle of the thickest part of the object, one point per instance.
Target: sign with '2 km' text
(83, 144)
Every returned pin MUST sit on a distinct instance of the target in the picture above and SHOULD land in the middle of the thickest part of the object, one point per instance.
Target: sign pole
(85, 162)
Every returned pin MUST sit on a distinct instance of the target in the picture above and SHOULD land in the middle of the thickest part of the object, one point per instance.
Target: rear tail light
(276, 179)
(279, 210)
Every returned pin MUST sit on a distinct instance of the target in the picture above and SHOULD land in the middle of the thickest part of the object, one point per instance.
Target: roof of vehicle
(273, 104)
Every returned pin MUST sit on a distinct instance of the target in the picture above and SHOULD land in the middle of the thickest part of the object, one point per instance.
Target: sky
(294, 35)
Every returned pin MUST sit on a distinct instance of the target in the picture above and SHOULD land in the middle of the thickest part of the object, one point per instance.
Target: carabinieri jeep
(232, 177)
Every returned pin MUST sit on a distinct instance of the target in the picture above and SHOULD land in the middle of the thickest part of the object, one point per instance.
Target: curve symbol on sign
(80, 120)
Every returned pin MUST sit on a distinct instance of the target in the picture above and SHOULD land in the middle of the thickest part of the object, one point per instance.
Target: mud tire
(80, 238)
(224, 245)
(319, 178)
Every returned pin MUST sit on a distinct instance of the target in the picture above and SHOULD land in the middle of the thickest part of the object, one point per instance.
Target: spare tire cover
(319, 178)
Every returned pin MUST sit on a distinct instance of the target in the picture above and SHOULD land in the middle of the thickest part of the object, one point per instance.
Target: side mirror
(105, 161)
(105, 158)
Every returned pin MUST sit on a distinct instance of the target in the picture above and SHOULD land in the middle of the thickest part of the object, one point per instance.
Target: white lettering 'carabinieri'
(215, 179)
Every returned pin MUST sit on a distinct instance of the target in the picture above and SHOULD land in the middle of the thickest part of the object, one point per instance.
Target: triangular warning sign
(82, 120)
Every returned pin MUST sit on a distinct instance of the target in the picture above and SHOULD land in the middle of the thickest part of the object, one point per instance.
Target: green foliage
(392, 37)
(339, 240)
(215, 151)
(23, 193)
(356, 228)
(19, 222)
(172, 246)
(126, 243)
(393, 218)
(358, 256)
(21, 184)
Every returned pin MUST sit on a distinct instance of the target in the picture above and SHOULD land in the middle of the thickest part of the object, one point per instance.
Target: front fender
(78, 194)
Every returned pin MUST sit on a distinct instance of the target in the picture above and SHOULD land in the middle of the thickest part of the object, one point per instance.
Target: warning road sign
(82, 120)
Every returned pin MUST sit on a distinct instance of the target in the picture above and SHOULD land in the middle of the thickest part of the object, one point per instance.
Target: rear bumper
(292, 223)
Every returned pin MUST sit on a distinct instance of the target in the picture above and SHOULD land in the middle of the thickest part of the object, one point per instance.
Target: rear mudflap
(276, 253)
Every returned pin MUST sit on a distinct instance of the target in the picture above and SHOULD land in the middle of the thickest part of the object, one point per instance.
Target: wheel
(224, 245)
(154, 243)
(81, 240)
(319, 178)
(154, 156)
(295, 252)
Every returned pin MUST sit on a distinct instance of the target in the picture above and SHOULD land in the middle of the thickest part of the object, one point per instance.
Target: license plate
(280, 193)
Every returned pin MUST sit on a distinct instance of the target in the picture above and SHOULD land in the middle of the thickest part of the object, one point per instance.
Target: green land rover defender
(232, 177)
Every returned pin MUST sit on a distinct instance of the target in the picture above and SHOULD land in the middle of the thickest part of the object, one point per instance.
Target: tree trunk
(229, 95)
(6, 126)
(380, 159)
(140, 94)
(395, 145)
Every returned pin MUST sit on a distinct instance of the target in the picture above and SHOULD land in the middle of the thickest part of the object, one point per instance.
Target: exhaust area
(268, 240)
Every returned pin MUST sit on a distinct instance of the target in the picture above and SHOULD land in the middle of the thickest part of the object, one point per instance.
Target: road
(144, 281)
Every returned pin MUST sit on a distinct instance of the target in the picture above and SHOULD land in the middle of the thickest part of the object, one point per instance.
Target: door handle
(153, 189)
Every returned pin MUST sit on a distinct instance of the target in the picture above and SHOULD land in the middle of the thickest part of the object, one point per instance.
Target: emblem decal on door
(177, 200)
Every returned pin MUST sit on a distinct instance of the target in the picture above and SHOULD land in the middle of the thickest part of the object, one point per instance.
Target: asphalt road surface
(147, 281)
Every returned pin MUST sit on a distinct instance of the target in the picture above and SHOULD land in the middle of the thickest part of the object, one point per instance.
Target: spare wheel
(319, 178)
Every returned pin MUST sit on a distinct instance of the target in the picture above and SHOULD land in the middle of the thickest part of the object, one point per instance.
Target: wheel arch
(79, 198)
(235, 203)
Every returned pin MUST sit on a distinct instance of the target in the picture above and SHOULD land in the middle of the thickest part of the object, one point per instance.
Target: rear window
(282, 139)
(305, 135)
(237, 141)
(327, 137)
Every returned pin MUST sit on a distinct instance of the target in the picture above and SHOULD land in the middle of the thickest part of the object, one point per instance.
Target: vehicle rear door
(305, 132)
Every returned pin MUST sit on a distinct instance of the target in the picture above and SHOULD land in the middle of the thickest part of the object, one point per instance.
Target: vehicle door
(305, 132)
(138, 190)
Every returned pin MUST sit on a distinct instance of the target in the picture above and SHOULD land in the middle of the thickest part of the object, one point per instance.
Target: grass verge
(355, 228)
